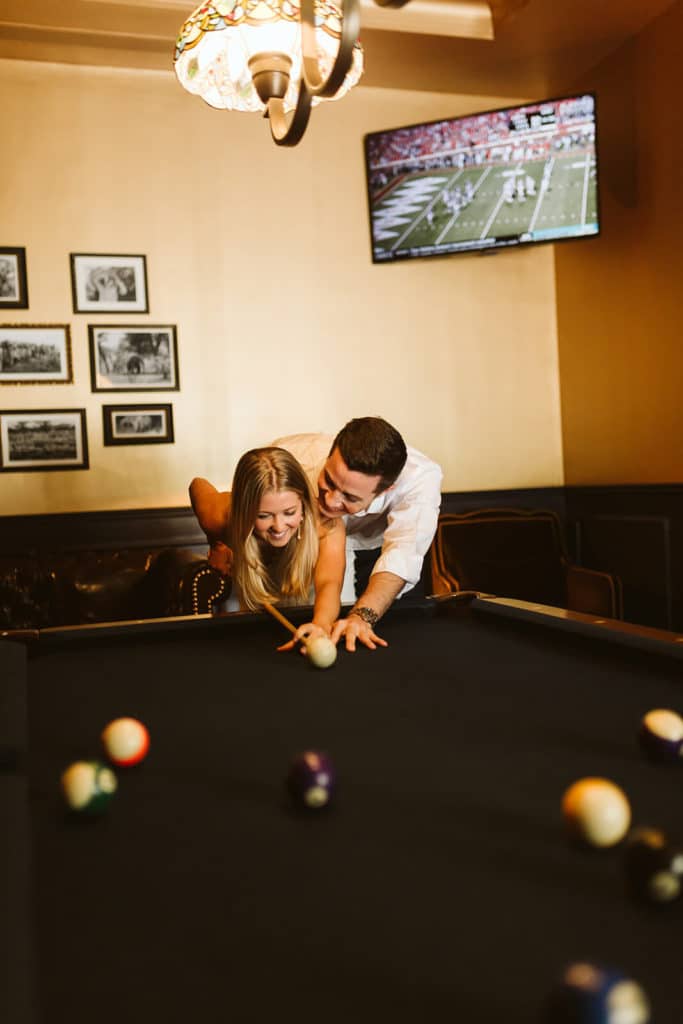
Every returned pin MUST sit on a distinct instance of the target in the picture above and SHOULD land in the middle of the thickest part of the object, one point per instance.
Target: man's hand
(355, 629)
(305, 632)
(220, 557)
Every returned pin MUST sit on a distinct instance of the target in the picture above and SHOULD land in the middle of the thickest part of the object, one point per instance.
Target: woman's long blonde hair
(287, 579)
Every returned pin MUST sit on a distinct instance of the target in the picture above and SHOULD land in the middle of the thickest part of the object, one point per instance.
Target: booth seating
(81, 587)
(518, 553)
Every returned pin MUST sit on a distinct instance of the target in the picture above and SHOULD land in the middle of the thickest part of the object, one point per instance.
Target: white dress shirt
(401, 520)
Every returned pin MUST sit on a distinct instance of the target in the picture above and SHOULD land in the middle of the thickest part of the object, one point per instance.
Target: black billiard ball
(588, 993)
(661, 735)
(312, 780)
(654, 866)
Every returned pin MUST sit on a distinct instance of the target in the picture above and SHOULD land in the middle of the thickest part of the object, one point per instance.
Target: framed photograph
(137, 424)
(35, 354)
(133, 358)
(108, 284)
(13, 288)
(41, 439)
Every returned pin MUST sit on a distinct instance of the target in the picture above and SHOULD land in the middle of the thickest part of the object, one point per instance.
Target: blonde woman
(267, 534)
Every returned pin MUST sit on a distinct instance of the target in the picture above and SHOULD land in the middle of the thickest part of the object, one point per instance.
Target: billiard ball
(596, 811)
(312, 780)
(126, 741)
(661, 735)
(88, 786)
(591, 994)
(654, 866)
(321, 652)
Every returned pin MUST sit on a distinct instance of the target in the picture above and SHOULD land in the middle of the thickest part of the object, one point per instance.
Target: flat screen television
(515, 176)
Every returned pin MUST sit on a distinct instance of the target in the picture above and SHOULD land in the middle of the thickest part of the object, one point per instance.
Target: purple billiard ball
(661, 735)
(590, 994)
(312, 780)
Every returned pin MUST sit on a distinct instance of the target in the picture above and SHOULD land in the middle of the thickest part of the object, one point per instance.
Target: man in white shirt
(389, 496)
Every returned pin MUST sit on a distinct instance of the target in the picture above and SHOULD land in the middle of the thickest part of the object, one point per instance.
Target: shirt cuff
(408, 567)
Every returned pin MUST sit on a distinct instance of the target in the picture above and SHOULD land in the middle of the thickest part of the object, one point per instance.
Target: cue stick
(280, 617)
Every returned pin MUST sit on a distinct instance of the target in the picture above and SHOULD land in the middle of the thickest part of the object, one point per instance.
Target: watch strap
(366, 614)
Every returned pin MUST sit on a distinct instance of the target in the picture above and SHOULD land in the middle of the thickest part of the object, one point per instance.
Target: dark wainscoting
(102, 531)
(633, 531)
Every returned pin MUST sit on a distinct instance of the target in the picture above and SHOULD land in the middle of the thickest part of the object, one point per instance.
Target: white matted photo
(13, 286)
(102, 283)
(133, 358)
(137, 424)
(42, 439)
(35, 354)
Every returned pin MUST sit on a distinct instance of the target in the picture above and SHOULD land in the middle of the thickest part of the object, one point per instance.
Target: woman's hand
(305, 632)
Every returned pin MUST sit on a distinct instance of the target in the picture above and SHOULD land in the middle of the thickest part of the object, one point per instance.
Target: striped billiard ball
(88, 786)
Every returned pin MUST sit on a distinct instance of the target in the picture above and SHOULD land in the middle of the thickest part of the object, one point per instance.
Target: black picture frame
(13, 280)
(109, 283)
(137, 423)
(35, 354)
(133, 357)
(40, 440)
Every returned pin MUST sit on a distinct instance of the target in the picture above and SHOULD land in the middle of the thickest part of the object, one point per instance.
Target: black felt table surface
(440, 887)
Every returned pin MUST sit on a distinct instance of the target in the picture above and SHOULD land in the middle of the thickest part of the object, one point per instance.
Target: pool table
(439, 887)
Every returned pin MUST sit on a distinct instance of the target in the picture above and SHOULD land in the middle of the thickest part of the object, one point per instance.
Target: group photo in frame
(102, 283)
(133, 358)
(13, 284)
(137, 424)
(43, 439)
(35, 354)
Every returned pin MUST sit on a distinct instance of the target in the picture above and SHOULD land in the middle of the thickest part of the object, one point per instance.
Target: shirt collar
(375, 506)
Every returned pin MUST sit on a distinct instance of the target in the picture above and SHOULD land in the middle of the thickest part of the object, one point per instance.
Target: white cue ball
(321, 652)
(596, 811)
(126, 741)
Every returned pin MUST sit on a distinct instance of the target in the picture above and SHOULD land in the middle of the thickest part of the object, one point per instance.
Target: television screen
(486, 181)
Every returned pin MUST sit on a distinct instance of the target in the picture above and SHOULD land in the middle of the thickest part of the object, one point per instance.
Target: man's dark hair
(372, 446)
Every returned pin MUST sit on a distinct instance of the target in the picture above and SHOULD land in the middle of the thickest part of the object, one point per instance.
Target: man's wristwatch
(367, 615)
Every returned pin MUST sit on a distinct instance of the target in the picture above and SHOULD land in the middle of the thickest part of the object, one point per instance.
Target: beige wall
(618, 299)
(261, 257)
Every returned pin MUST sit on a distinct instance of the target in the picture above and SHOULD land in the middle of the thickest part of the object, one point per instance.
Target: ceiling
(521, 48)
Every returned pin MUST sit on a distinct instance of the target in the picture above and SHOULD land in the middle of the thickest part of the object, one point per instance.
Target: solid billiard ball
(321, 652)
(596, 811)
(126, 741)
(654, 866)
(312, 780)
(661, 735)
(590, 994)
(88, 786)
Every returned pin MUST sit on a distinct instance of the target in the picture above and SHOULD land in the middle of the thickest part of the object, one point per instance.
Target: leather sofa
(44, 589)
(521, 554)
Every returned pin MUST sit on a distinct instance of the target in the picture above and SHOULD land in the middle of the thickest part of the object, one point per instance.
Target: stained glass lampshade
(223, 45)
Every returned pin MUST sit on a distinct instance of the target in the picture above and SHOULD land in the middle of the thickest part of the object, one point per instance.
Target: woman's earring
(298, 532)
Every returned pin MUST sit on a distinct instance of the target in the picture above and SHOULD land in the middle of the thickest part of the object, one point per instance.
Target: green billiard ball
(88, 786)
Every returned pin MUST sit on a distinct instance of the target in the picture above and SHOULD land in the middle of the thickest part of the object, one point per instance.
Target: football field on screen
(557, 198)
